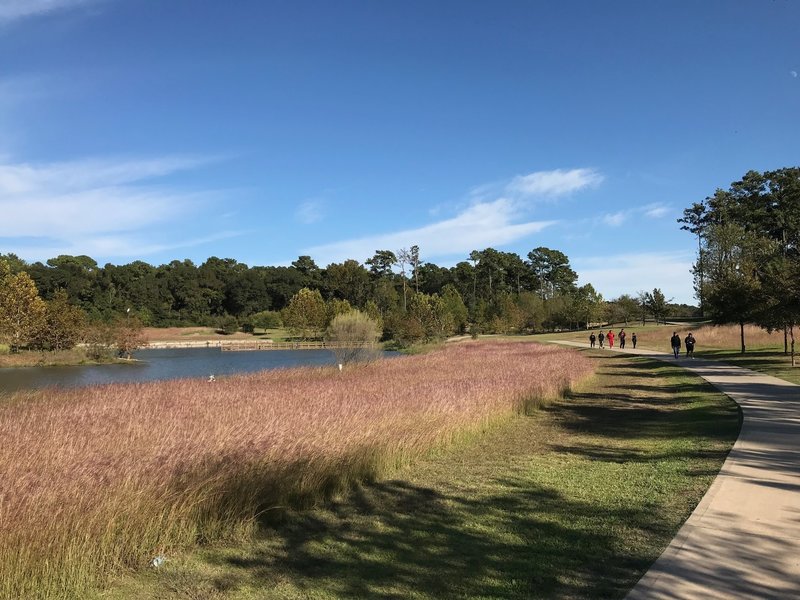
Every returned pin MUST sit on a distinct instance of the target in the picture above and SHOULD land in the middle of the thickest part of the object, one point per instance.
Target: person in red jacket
(610, 338)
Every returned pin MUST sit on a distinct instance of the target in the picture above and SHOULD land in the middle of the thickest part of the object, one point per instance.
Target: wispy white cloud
(655, 211)
(130, 246)
(552, 184)
(479, 226)
(91, 173)
(11, 10)
(309, 212)
(538, 186)
(616, 219)
(619, 218)
(495, 215)
(629, 273)
(112, 208)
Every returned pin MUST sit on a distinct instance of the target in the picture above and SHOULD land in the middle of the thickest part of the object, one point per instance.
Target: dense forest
(492, 291)
(747, 271)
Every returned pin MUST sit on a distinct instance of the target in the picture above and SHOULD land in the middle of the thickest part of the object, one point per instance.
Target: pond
(155, 365)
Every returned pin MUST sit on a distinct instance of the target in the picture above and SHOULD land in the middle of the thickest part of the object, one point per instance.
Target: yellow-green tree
(21, 309)
(306, 313)
(335, 307)
(355, 334)
(63, 324)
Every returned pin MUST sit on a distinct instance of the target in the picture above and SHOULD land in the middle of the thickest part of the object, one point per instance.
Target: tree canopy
(749, 250)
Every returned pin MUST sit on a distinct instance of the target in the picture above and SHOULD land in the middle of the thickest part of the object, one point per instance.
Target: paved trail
(743, 539)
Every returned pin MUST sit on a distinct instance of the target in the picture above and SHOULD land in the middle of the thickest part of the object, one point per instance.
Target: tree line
(410, 299)
(748, 252)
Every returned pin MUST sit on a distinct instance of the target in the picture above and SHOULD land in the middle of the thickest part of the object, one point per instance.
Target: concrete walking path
(743, 539)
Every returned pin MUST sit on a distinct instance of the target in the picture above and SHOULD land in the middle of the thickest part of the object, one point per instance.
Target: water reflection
(153, 365)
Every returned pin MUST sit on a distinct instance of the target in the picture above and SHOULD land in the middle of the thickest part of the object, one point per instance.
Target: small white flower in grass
(211, 378)
(158, 561)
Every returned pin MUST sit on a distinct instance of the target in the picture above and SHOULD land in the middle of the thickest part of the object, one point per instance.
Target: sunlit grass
(573, 502)
(765, 351)
(102, 479)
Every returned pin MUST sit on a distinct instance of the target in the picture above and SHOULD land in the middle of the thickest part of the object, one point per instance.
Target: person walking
(600, 338)
(689, 341)
(621, 337)
(610, 338)
(633, 339)
(675, 341)
(592, 338)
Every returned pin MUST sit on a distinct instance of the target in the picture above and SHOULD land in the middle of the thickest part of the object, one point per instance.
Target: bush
(99, 342)
(267, 319)
(357, 335)
(229, 325)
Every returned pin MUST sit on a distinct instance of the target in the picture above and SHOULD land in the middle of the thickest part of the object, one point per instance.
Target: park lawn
(575, 501)
(765, 351)
(767, 360)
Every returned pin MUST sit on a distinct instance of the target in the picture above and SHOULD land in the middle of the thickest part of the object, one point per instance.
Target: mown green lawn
(769, 360)
(575, 501)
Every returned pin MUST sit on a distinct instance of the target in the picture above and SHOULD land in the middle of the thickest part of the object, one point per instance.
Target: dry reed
(723, 337)
(98, 479)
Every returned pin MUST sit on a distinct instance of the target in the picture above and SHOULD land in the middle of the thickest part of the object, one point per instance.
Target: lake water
(173, 363)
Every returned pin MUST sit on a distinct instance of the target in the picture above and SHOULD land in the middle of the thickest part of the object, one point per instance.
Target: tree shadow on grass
(496, 536)
(647, 410)
(398, 540)
(711, 422)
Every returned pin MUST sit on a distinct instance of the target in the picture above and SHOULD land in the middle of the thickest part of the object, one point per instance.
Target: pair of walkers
(689, 341)
(602, 338)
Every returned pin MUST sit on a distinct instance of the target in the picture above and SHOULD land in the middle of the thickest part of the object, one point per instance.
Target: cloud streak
(479, 226)
(104, 206)
(655, 211)
(13, 10)
(309, 212)
(617, 219)
(494, 217)
(553, 184)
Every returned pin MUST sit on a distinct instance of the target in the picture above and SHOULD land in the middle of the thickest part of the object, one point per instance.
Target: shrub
(355, 335)
(267, 319)
(229, 325)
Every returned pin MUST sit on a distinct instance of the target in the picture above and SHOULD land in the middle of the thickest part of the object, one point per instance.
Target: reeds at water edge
(93, 480)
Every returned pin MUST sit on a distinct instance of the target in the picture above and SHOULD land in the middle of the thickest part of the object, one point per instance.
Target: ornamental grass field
(710, 336)
(102, 479)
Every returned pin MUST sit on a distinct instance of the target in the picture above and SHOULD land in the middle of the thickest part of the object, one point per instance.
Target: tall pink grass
(97, 479)
(713, 336)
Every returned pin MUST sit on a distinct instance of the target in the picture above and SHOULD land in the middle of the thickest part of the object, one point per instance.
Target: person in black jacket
(689, 341)
(675, 340)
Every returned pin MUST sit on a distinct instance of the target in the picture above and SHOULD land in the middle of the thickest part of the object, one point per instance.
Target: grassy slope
(574, 502)
(30, 358)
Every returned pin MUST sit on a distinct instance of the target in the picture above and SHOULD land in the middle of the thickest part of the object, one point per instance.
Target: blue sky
(264, 130)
